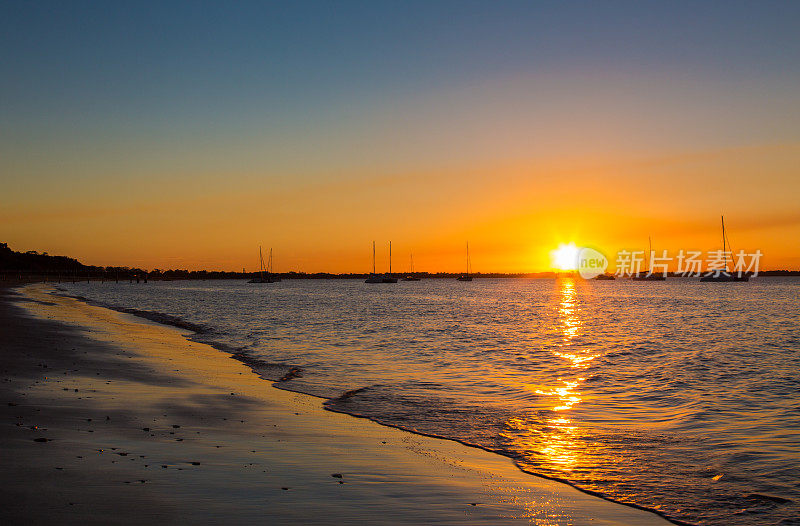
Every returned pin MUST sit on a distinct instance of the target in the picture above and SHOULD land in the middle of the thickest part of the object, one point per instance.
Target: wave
(274, 372)
(158, 317)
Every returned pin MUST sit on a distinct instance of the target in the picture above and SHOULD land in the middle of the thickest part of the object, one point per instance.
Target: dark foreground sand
(110, 419)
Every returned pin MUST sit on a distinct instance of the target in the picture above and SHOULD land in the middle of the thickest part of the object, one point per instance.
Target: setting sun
(565, 257)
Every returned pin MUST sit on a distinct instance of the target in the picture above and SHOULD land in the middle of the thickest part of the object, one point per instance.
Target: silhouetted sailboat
(466, 276)
(373, 278)
(639, 276)
(265, 274)
(378, 278)
(722, 275)
(387, 278)
(411, 276)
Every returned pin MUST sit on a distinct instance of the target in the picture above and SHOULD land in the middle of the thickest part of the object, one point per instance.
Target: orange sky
(513, 214)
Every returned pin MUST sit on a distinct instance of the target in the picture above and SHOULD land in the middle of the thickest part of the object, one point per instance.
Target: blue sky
(182, 56)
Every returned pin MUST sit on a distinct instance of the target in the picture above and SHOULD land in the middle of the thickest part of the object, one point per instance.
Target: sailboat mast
(467, 257)
(373, 257)
(270, 261)
(724, 255)
(261, 263)
(390, 258)
(649, 252)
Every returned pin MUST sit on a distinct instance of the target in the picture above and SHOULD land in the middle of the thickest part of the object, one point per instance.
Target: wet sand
(110, 419)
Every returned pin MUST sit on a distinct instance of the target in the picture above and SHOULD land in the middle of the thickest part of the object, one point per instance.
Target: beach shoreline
(139, 422)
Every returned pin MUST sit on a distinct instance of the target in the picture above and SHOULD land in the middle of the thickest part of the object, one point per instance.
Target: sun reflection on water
(567, 309)
(558, 442)
(566, 394)
(555, 438)
(570, 325)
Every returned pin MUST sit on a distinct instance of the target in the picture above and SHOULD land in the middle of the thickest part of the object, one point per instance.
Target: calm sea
(678, 396)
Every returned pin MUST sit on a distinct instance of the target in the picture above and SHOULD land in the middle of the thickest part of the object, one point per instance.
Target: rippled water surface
(678, 396)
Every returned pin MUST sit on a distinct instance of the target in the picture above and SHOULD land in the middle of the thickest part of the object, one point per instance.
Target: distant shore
(112, 419)
(19, 277)
(17, 267)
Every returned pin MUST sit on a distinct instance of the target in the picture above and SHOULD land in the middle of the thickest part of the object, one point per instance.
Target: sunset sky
(185, 134)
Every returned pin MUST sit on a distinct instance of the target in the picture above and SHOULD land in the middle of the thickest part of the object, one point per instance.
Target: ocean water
(678, 396)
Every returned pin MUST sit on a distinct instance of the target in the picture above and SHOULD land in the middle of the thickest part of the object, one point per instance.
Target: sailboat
(466, 276)
(387, 278)
(271, 275)
(722, 274)
(373, 278)
(265, 274)
(647, 276)
(377, 278)
(411, 276)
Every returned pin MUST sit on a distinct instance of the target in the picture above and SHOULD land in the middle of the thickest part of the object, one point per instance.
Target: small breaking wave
(273, 372)
(158, 317)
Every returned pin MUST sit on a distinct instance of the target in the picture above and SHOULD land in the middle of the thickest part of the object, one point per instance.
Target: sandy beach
(111, 419)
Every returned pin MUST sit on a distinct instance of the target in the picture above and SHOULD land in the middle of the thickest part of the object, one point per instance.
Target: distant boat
(647, 276)
(722, 275)
(410, 276)
(373, 278)
(387, 278)
(603, 277)
(378, 278)
(466, 276)
(265, 274)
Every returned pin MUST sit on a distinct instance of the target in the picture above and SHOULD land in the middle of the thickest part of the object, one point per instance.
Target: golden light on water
(558, 439)
(565, 394)
(576, 359)
(567, 314)
(578, 356)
